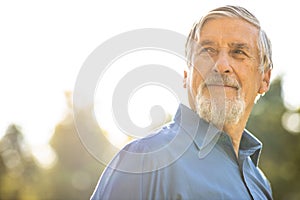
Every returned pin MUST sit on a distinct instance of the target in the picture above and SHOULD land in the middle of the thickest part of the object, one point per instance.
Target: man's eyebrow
(207, 42)
(239, 45)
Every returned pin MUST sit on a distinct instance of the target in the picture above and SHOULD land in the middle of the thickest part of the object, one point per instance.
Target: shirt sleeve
(135, 171)
(118, 185)
(119, 180)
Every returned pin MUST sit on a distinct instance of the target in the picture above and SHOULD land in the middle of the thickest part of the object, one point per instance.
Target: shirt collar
(250, 146)
(205, 135)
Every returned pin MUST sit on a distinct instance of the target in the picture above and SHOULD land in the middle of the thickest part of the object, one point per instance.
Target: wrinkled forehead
(225, 30)
(228, 23)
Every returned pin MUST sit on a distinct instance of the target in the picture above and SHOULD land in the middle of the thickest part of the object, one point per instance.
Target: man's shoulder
(150, 153)
(155, 140)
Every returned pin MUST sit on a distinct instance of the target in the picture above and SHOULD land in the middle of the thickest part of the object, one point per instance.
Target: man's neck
(235, 132)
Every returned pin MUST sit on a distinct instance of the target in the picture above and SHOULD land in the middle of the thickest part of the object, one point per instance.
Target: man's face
(224, 77)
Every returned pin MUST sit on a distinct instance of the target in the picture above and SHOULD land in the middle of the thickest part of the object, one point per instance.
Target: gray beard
(219, 111)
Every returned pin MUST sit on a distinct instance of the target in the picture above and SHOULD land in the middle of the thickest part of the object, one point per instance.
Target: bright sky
(43, 45)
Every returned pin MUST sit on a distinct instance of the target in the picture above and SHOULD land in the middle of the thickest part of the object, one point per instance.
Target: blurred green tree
(18, 171)
(280, 159)
(76, 172)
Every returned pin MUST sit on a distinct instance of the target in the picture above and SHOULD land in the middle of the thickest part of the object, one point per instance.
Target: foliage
(280, 157)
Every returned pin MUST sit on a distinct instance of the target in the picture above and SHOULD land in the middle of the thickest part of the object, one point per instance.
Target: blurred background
(42, 48)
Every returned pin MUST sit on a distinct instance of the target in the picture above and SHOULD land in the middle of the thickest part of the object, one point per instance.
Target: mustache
(223, 80)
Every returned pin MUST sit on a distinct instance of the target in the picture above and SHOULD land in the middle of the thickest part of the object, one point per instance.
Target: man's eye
(239, 53)
(208, 50)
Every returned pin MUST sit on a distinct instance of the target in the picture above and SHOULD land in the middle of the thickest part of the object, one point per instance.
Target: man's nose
(222, 63)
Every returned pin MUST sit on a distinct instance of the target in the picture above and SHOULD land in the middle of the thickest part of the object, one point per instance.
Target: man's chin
(220, 113)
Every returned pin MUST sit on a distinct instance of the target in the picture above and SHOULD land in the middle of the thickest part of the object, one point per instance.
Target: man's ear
(265, 83)
(185, 78)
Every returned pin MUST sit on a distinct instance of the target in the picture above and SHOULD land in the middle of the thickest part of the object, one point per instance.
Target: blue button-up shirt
(186, 159)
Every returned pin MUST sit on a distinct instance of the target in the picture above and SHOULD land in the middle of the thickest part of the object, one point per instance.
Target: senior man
(205, 152)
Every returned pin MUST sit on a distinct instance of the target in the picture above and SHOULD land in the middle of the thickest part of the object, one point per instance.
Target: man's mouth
(221, 85)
